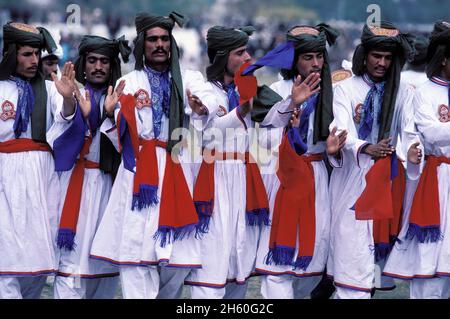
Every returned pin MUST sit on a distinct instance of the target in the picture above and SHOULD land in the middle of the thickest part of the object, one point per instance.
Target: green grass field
(253, 292)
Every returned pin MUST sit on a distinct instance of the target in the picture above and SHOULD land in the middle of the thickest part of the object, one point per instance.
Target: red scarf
(177, 217)
(257, 204)
(23, 145)
(71, 208)
(424, 220)
(295, 209)
(382, 202)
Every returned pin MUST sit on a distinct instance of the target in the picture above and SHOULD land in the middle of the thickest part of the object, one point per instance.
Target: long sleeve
(343, 119)
(434, 132)
(279, 114)
(410, 135)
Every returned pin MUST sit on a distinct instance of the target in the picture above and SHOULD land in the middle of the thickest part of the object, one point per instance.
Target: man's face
(49, 66)
(157, 46)
(236, 58)
(378, 63)
(310, 62)
(27, 61)
(98, 67)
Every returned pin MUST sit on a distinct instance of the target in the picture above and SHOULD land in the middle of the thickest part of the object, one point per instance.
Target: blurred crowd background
(271, 18)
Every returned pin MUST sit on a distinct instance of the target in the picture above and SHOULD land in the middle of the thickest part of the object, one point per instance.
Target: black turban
(420, 47)
(221, 41)
(145, 21)
(103, 46)
(109, 157)
(315, 39)
(385, 38)
(21, 34)
(439, 47)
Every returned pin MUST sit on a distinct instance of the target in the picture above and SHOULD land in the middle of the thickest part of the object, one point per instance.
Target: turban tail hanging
(309, 39)
(385, 38)
(439, 48)
(20, 34)
(145, 21)
(109, 157)
(221, 41)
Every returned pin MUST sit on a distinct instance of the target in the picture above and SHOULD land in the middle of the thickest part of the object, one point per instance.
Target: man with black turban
(29, 186)
(415, 73)
(87, 161)
(228, 193)
(286, 255)
(150, 220)
(366, 190)
(422, 254)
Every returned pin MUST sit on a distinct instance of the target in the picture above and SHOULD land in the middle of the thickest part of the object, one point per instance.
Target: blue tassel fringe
(428, 234)
(147, 196)
(66, 239)
(167, 234)
(302, 262)
(258, 217)
(280, 256)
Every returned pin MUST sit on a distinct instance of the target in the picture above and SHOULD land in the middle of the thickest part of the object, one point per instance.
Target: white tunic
(29, 198)
(229, 248)
(352, 261)
(124, 236)
(275, 119)
(411, 259)
(94, 197)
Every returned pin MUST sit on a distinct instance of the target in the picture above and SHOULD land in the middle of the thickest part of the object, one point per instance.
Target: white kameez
(352, 260)
(277, 118)
(411, 259)
(125, 237)
(229, 247)
(94, 198)
(29, 198)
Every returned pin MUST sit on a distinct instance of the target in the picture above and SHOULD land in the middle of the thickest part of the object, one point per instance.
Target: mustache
(98, 72)
(159, 51)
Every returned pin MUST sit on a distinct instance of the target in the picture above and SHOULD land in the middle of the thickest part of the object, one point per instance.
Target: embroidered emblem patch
(358, 113)
(384, 31)
(340, 75)
(221, 111)
(7, 111)
(304, 30)
(142, 98)
(444, 113)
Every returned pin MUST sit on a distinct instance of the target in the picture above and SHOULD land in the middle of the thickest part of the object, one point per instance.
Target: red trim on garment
(145, 262)
(27, 273)
(87, 276)
(359, 152)
(291, 273)
(437, 274)
(352, 287)
(204, 284)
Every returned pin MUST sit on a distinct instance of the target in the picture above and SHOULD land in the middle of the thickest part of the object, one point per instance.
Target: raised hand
(196, 104)
(295, 118)
(382, 149)
(113, 97)
(66, 85)
(84, 102)
(336, 142)
(302, 91)
(415, 153)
